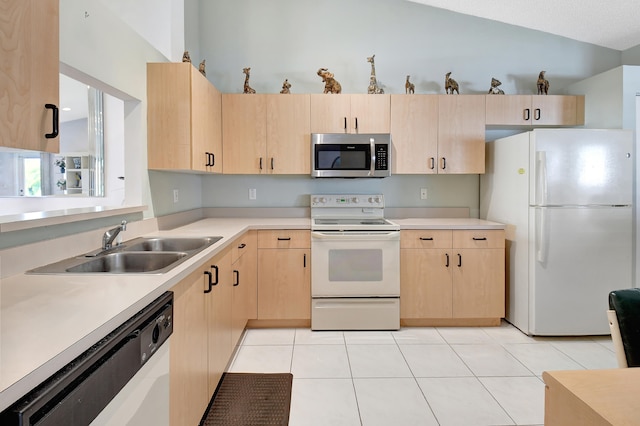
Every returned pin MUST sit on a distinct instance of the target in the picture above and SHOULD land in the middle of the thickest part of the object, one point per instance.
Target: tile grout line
(415, 379)
(353, 383)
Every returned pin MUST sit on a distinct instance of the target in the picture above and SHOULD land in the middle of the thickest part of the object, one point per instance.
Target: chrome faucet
(111, 234)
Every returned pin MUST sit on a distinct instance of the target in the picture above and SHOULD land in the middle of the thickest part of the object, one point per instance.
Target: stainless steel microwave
(341, 155)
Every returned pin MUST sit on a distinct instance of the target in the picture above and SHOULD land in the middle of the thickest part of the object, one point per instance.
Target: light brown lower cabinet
(201, 340)
(219, 318)
(452, 277)
(244, 290)
(284, 275)
(188, 370)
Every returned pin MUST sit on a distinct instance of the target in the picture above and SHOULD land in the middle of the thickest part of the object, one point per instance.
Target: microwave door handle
(372, 168)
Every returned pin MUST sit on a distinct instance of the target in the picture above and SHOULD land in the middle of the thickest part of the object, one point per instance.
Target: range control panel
(347, 200)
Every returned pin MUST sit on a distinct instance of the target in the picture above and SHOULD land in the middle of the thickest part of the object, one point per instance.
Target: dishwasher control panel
(155, 331)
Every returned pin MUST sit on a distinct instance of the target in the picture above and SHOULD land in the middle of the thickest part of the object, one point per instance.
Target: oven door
(355, 264)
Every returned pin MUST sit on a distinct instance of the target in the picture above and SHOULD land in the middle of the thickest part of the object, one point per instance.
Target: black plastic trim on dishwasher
(78, 392)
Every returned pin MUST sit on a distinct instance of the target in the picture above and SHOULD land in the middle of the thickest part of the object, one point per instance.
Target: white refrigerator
(566, 198)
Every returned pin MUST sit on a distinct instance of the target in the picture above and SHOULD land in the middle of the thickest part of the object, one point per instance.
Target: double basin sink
(146, 255)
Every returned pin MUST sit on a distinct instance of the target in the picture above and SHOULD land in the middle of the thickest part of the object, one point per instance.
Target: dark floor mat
(250, 399)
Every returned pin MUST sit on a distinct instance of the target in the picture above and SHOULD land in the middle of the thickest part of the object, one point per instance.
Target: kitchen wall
(99, 48)
(631, 56)
(293, 38)
(293, 190)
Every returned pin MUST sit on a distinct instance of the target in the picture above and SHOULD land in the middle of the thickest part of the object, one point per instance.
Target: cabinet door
(540, 110)
(169, 116)
(250, 273)
(244, 133)
(188, 392)
(284, 284)
(206, 122)
(461, 134)
(288, 134)
(219, 316)
(239, 303)
(30, 73)
(370, 114)
(508, 110)
(478, 283)
(479, 274)
(244, 284)
(330, 113)
(555, 110)
(414, 127)
(425, 283)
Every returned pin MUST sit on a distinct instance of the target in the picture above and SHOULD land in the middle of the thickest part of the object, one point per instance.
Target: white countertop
(447, 223)
(48, 320)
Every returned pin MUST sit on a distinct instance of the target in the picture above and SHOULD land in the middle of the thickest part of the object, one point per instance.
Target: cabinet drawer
(478, 238)
(284, 238)
(242, 245)
(427, 238)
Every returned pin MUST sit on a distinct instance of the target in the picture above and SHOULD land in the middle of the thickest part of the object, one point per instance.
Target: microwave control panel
(382, 157)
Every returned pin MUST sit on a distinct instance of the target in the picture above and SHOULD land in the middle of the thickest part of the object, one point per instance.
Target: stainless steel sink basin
(144, 255)
(169, 244)
(129, 262)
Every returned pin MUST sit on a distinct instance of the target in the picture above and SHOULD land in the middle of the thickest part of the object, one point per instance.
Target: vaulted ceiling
(612, 23)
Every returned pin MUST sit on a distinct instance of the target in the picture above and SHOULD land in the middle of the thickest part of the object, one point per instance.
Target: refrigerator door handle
(541, 178)
(541, 231)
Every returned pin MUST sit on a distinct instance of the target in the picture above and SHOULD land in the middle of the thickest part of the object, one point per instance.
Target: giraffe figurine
(373, 82)
(247, 88)
(409, 88)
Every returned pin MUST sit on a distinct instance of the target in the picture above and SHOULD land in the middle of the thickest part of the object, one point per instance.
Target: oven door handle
(356, 235)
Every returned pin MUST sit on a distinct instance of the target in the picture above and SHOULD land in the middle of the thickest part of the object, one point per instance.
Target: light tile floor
(417, 376)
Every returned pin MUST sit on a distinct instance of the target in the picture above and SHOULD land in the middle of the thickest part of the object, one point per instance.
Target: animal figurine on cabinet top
(409, 88)
(373, 81)
(331, 85)
(450, 85)
(285, 87)
(495, 90)
(201, 68)
(186, 57)
(247, 88)
(543, 84)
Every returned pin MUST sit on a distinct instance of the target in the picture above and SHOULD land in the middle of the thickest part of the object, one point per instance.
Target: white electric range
(355, 264)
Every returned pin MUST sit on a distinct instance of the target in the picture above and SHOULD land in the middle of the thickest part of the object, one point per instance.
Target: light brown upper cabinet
(437, 134)
(266, 134)
(534, 110)
(414, 132)
(350, 113)
(461, 134)
(183, 119)
(29, 81)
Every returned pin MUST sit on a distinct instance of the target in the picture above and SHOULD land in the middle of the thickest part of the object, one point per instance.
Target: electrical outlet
(175, 195)
(423, 193)
(252, 193)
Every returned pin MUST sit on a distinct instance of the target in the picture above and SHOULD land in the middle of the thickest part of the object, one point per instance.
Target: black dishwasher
(78, 392)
